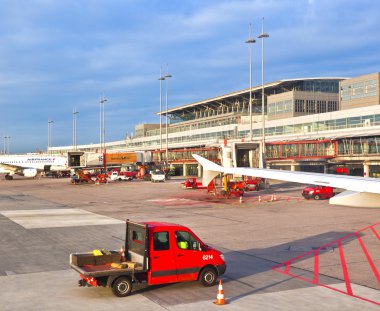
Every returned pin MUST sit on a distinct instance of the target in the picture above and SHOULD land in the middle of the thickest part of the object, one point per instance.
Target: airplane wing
(11, 168)
(360, 191)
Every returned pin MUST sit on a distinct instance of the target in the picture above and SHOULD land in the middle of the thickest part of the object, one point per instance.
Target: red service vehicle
(254, 184)
(192, 183)
(318, 192)
(129, 174)
(156, 253)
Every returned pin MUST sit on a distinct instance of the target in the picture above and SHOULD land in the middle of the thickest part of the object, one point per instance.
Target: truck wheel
(122, 287)
(317, 197)
(208, 277)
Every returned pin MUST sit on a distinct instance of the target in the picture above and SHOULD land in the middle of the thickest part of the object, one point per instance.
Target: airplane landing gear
(8, 177)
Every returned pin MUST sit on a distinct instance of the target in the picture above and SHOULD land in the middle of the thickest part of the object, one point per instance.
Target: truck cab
(155, 253)
(177, 255)
(317, 192)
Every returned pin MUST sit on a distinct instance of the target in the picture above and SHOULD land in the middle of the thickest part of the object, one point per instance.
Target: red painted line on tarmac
(375, 232)
(316, 267)
(343, 292)
(287, 269)
(327, 286)
(338, 243)
(344, 267)
(369, 258)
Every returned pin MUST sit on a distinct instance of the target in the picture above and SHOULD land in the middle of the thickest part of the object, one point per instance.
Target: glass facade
(324, 86)
(315, 106)
(327, 125)
(358, 90)
(280, 107)
(299, 150)
(359, 146)
(185, 155)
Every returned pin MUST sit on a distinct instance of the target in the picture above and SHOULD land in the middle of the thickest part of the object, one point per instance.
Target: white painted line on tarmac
(55, 218)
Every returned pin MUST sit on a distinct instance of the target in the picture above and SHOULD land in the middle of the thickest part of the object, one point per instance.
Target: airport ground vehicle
(117, 176)
(129, 174)
(156, 253)
(192, 183)
(317, 192)
(81, 176)
(157, 175)
(254, 184)
(227, 189)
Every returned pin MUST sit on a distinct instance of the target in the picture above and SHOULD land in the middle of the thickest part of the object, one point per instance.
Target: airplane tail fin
(210, 169)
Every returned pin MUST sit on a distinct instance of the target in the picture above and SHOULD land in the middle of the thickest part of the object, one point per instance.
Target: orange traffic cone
(220, 297)
(259, 198)
(241, 199)
(274, 198)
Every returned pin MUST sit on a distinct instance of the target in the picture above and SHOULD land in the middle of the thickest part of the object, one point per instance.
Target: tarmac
(43, 220)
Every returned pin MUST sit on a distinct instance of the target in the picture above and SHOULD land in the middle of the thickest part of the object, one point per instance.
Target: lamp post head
(161, 78)
(263, 35)
(250, 40)
(168, 76)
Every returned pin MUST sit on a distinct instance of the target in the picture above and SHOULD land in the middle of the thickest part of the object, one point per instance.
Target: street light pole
(250, 41)
(102, 122)
(75, 129)
(161, 78)
(49, 135)
(262, 36)
(167, 76)
(6, 144)
(9, 143)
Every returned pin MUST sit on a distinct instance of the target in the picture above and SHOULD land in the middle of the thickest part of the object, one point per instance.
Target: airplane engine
(29, 172)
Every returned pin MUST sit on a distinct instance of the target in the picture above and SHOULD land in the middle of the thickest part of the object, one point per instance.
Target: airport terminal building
(329, 124)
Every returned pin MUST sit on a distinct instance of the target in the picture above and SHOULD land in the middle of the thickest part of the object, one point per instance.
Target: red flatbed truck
(155, 253)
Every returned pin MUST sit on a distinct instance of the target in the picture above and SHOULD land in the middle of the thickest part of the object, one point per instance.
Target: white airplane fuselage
(30, 165)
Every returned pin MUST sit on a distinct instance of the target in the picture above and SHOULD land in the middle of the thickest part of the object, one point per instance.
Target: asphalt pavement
(43, 220)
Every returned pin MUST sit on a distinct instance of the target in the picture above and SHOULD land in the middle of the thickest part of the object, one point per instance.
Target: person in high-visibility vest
(183, 245)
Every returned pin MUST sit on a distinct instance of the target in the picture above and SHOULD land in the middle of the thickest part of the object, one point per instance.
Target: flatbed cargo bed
(105, 270)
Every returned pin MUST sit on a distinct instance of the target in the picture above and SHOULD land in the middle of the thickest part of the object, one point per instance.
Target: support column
(366, 169)
(293, 167)
(184, 169)
(199, 170)
(325, 169)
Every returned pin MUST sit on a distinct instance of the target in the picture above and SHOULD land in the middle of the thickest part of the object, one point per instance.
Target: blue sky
(59, 55)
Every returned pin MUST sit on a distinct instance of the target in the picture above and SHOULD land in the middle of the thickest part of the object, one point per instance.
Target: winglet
(210, 169)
